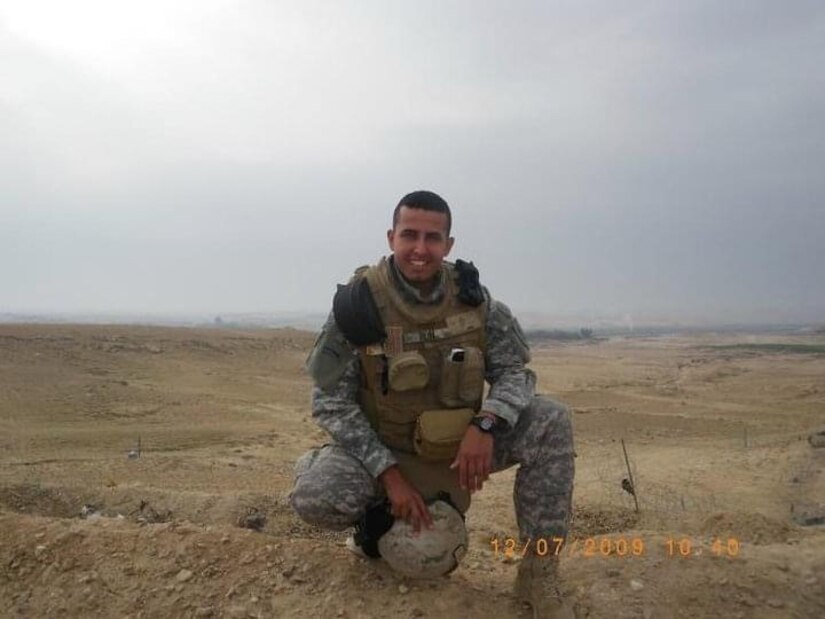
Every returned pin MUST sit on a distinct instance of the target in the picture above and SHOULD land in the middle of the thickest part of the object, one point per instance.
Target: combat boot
(538, 584)
(354, 547)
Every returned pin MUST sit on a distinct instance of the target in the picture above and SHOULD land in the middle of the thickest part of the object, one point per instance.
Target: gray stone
(817, 439)
(184, 575)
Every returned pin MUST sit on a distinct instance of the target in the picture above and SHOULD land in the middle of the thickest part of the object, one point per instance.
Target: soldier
(399, 372)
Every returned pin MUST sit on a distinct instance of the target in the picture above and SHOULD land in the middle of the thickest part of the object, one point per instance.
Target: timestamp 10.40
(606, 546)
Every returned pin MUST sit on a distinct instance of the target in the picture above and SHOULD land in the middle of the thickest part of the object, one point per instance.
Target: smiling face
(419, 243)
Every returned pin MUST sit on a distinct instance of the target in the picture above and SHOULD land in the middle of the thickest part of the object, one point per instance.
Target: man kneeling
(399, 372)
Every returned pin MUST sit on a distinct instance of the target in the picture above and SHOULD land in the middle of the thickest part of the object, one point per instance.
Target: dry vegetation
(716, 430)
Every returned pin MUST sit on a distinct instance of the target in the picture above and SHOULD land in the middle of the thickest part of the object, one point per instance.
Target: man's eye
(408, 234)
(434, 237)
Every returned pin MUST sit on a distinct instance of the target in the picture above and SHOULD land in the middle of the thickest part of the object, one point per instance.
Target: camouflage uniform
(336, 483)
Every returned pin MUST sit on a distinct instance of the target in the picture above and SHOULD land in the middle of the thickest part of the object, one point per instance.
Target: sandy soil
(716, 436)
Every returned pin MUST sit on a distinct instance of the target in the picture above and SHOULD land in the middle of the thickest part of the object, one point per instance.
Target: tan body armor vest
(431, 360)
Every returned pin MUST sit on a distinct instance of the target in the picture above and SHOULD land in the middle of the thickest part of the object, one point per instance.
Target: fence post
(630, 477)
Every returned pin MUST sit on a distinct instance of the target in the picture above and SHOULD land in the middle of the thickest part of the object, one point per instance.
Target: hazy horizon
(216, 157)
(530, 321)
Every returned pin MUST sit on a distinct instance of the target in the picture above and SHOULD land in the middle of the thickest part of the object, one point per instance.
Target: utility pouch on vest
(462, 377)
(438, 433)
(408, 371)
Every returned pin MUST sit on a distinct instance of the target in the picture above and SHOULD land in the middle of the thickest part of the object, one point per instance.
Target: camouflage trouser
(333, 490)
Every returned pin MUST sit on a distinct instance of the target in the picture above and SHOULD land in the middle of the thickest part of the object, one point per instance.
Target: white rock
(184, 575)
(636, 585)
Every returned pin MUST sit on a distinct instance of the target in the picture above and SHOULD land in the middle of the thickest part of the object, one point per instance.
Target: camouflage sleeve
(335, 407)
(512, 385)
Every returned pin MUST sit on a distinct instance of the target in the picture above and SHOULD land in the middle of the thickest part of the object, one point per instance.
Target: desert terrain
(144, 472)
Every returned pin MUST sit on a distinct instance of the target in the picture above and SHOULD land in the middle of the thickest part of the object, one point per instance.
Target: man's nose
(420, 244)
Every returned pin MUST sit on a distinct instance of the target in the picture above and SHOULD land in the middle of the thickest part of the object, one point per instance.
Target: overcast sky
(601, 158)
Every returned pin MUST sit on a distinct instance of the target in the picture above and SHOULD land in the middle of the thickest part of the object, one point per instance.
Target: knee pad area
(319, 509)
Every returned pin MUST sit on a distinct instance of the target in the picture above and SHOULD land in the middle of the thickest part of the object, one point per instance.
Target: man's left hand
(474, 459)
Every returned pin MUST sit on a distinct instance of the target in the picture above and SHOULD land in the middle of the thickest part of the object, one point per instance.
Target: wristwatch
(486, 423)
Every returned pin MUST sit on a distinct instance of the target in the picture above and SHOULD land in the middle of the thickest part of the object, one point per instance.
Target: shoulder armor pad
(356, 313)
(329, 357)
(501, 319)
(359, 273)
(469, 288)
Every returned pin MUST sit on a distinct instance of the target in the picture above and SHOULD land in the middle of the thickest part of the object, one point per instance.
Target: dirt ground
(716, 428)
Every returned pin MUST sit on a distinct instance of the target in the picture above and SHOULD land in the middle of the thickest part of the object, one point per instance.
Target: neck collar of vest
(386, 291)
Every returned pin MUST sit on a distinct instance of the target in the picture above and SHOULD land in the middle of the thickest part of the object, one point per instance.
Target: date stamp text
(614, 546)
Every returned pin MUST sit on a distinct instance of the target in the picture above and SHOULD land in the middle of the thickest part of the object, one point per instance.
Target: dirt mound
(588, 521)
(751, 527)
(115, 568)
(144, 505)
(32, 498)
(112, 567)
(764, 581)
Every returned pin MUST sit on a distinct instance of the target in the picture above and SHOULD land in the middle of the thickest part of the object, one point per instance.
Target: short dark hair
(426, 201)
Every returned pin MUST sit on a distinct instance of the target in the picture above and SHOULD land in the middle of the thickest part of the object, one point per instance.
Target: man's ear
(450, 241)
(390, 237)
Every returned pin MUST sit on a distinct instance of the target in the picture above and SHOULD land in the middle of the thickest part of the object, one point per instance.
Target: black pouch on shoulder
(356, 314)
(469, 288)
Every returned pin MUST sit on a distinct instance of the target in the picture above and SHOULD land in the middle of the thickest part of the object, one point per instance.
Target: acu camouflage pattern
(333, 488)
(336, 483)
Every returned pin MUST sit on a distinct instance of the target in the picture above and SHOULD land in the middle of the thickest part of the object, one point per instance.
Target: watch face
(484, 423)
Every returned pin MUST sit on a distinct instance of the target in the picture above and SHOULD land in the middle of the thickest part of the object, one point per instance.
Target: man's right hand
(406, 502)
